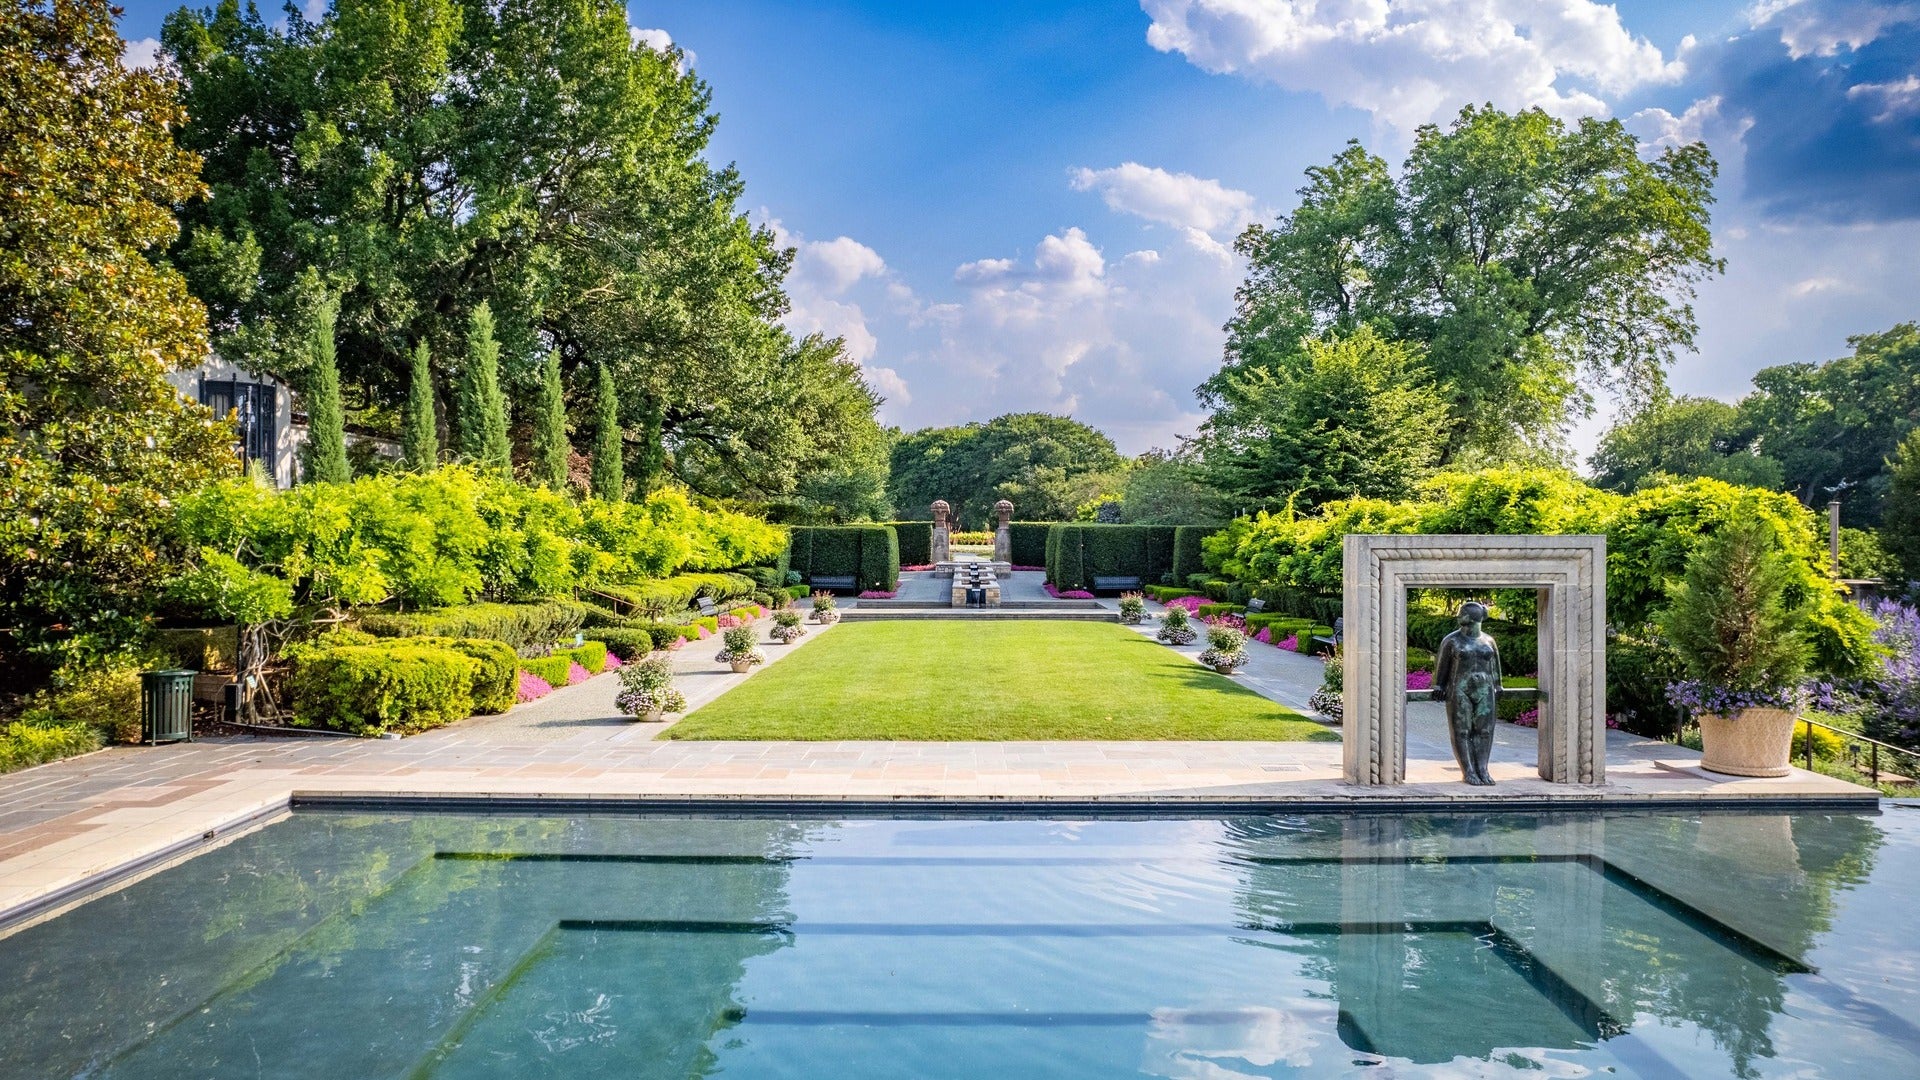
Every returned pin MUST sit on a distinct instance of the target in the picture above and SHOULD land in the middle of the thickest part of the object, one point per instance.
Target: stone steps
(1095, 613)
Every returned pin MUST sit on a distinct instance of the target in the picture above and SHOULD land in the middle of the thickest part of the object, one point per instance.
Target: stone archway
(1570, 576)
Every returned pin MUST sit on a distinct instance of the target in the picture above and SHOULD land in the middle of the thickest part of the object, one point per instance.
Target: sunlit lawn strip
(991, 681)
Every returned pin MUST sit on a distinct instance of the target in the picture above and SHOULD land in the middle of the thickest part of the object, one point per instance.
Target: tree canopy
(94, 442)
(1046, 465)
(1681, 438)
(432, 156)
(1521, 253)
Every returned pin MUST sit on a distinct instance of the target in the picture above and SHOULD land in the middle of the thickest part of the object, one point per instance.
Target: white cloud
(1823, 27)
(1896, 98)
(823, 273)
(838, 263)
(1179, 199)
(660, 41)
(1706, 120)
(1419, 61)
(1814, 286)
(141, 53)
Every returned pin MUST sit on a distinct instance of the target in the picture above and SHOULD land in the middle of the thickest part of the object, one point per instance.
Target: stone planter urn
(652, 716)
(740, 667)
(1755, 742)
(1226, 669)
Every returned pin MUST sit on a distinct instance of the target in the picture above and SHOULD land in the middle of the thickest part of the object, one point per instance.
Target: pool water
(343, 945)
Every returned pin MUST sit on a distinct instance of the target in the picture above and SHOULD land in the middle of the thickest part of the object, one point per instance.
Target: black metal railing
(1874, 747)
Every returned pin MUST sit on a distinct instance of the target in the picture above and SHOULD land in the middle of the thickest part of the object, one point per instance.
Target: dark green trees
(324, 457)
(608, 479)
(480, 410)
(421, 440)
(1047, 465)
(550, 427)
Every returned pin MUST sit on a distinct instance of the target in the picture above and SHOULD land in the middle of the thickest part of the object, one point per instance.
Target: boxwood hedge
(387, 687)
(916, 541)
(1081, 552)
(519, 625)
(870, 554)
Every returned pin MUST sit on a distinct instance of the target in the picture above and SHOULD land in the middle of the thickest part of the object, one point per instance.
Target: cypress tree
(482, 410)
(1900, 531)
(550, 428)
(608, 481)
(421, 439)
(325, 455)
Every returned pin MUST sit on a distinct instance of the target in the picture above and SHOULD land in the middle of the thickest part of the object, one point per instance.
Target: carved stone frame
(1570, 574)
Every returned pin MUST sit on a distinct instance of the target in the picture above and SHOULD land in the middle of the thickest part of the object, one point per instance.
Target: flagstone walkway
(68, 826)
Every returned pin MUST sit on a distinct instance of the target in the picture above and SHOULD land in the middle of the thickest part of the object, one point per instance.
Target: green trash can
(166, 706)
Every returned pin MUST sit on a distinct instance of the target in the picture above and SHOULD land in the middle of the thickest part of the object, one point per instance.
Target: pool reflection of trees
(1457, 942)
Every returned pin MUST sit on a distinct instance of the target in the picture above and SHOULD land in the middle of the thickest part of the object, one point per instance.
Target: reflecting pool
(333, 945)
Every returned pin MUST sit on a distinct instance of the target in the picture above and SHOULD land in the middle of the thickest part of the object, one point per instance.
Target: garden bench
(1339, 634)
(1115, 584)
(705, 604)
(1256, 605)
(822, 581)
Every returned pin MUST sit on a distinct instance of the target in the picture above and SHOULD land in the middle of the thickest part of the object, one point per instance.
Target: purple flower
(877, 594)
(1191, 603)
(532, 687)
(1695, 697)
(1265, 636)
(1292, 643)
(1420, 680)
(1531, 718)
(614, 663)
(576, 673)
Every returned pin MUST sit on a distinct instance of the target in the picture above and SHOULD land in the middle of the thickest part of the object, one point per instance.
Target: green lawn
(990, 681)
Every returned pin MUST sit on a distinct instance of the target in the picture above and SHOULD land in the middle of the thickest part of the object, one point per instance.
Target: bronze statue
(1466, 675)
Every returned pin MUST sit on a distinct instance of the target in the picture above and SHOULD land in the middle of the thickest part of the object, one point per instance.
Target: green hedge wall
(519, 625)
(1027, 542)
(916, 541)
(1186, 550)
(870, 554)
(1079, 553)
(391, 686)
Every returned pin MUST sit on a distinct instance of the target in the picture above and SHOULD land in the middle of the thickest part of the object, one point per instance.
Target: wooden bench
(1256, 605)
(706, 606)
(822, 581)
(1115, 584)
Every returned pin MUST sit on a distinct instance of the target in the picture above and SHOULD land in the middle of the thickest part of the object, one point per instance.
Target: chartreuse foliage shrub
(495, 680)
(398, 687)
(631, 643)
(557, 665)
(669, 596)
(870, 554)
(1082, 552)
(916, 541)
(29, 742)
(520, 626)
(451, 535)
(1651, 537)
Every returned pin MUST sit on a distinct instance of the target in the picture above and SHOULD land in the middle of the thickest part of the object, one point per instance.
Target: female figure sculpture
(1466, 675)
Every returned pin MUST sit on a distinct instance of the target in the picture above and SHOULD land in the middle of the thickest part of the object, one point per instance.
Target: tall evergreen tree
(482, 410)
(421, 439)
(325, 455)
(609, 481)
(1900, 532)
(550, 427)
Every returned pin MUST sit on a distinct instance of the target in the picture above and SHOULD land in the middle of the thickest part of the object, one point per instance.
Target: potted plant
(739, 652)
(646, 689)
(1176, 628)
(1226, 649)
(1735, 623)
(1327, 699)
(786, 627)
(824, 611)
(1133, 608)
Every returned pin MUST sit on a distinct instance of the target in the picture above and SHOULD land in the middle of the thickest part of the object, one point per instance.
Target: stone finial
(940, 512)
(1004, 509)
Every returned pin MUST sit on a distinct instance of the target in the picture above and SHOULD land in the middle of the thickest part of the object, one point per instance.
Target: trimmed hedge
(1164, 593)
(388, 687)
(1208, 611)
(496, 679)
(635, 643)
(870, 554)
(553, 669)
(1027, 542)
(591, 655)
(916, 541)
(519, 625)
(676, 593)
(1080, 552)
(1186, 550)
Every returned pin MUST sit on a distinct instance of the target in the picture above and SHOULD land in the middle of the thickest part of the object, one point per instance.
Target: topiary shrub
(591, 655)
(628, 644)
(552, 669)
(521, 626)
(916, 541)
(496, 673)
(1027, 542)
(375, 689)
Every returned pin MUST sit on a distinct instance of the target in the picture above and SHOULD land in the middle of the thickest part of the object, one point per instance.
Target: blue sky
(1030, 206)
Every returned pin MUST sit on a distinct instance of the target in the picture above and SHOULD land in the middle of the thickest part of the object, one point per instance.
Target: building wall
(288, 437)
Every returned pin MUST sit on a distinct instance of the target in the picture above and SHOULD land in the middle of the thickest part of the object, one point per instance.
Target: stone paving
(70, 824)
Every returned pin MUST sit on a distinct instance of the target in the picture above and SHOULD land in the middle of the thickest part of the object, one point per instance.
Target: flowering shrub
(1265, 636)
(824, 608)
(1888, 703)
(1188, 604)
(1530, 718)
(786, 627)
(878, 594)
(532, 687)
(1326, 701)
(1226, 647)
(1133, 607)
(1291, 643)
(740, 648)
(1070, 594)
(1176, 628)
(614, 663)
(1420, 680)
(646, 686)
(1236, 622)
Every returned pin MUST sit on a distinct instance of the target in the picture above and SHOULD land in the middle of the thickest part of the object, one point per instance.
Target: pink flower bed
(1035, 568)
(678, 643)
(577, 674)
(1265, 636)
(532, 687)
(1191, 603)
(1291, 644)
(1420, 680)
(614, 663)
(877, 594)
(1237, 622)
(922, 566)
(1071, 594)
(1530, 718)
(704, 632)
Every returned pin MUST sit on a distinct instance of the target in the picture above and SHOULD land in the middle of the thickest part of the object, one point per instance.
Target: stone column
(1003, 536)
(942, 532)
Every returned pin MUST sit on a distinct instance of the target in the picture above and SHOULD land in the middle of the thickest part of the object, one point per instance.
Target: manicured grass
(991, 681)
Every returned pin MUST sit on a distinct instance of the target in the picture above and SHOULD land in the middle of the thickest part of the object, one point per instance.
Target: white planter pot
(741, 667)
(1756, 742)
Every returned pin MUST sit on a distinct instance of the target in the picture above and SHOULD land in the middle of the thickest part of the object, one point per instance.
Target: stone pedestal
(1003, 535)
(942, 532)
